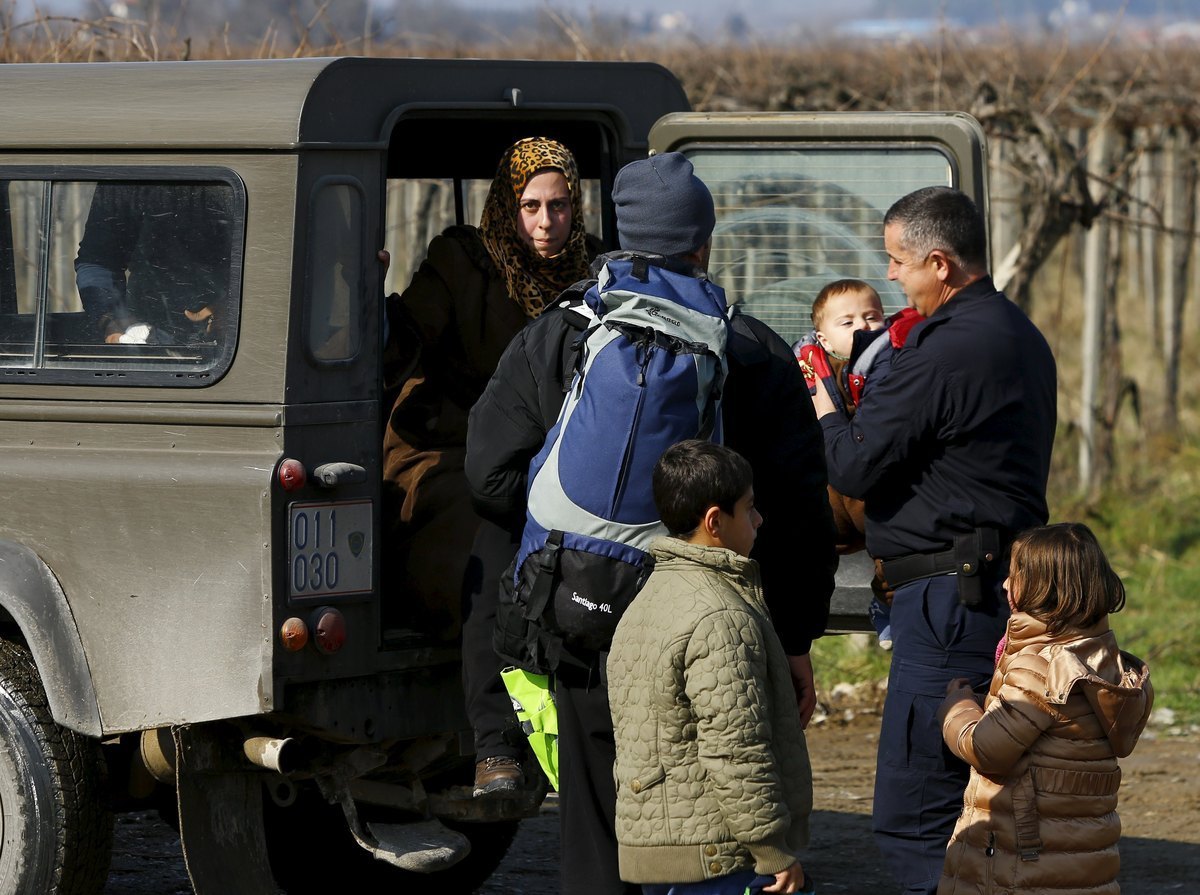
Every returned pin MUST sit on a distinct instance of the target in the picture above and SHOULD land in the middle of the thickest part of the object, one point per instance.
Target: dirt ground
(1159, 805)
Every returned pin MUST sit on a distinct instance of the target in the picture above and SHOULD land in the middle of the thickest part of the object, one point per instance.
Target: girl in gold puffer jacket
(1039, 814)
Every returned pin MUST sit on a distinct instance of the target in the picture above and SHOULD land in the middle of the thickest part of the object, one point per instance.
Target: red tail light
(292, 475)
(329, 629)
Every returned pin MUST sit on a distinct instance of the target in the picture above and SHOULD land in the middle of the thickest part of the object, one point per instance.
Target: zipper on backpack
(626, 457)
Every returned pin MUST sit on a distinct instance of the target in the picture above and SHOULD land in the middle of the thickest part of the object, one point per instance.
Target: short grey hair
(940, 218)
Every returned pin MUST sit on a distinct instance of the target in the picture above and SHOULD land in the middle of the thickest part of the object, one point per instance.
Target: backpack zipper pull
(641, 380)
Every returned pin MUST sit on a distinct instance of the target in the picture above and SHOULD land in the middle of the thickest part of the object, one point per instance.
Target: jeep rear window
(130, 281)
(792, 218)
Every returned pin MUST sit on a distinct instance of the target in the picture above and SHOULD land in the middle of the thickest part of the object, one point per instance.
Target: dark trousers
(587, 795)
(919, 783)
(489, 708)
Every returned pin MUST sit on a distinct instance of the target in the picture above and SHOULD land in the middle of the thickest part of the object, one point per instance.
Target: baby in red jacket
(841, 309)
(839, 355)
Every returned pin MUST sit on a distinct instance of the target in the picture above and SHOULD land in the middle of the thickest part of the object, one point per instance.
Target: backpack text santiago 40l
(649, 374)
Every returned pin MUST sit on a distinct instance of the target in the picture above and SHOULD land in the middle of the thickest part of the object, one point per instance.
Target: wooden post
(1146, 191)
(1178, 214)
(1095, 279)
(1083, 142)
(1005, 209)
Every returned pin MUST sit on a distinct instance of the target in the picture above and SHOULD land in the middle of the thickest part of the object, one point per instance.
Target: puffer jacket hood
(1123, 706)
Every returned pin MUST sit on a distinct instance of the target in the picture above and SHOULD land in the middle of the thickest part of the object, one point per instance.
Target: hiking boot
(497, 773)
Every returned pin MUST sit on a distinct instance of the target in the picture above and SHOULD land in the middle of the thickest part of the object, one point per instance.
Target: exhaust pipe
(272, 753)
(157, 750)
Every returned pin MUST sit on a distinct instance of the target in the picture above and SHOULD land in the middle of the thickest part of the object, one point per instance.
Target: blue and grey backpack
(649, 373)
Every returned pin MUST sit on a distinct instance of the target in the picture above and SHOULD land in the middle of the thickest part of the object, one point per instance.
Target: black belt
(915, 566)
(972, 553)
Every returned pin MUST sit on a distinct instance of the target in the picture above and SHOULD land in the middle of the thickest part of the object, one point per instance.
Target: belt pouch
(972, 552)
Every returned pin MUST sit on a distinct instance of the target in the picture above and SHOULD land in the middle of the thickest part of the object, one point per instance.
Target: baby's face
(844, 315)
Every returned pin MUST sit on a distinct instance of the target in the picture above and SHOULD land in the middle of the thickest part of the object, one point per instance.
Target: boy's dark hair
(1063, 578)
(838, 287)
(694, 475)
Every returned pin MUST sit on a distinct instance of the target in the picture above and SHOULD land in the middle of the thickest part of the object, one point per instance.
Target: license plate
(329, 548)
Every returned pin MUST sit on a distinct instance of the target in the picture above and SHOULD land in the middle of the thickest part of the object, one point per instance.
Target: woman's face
(544, 216)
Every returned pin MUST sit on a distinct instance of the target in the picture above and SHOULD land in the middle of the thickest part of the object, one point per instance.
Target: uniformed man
(951, 453)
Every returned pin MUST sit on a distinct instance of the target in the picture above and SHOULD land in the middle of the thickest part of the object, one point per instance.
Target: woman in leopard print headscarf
(475, 290)
(532, 222)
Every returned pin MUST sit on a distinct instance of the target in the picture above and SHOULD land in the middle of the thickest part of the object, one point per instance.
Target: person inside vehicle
(154, 264)
(475, 290)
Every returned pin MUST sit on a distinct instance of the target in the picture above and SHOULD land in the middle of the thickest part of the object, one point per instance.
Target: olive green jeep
(191, 389)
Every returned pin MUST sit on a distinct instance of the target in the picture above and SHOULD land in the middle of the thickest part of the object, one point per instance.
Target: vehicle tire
(312, 851)
(57, 828)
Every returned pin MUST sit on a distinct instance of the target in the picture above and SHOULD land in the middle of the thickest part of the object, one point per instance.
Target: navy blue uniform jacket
(958, 435)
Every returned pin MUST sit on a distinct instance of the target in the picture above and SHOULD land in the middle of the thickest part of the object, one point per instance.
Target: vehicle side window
(335, 272)
(136, 278)
(792, 218)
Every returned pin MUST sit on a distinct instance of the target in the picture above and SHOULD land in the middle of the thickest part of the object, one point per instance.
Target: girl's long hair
(1062, 577)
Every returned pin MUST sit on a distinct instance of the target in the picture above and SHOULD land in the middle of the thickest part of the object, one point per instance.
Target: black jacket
(768, 418)
(958, 435)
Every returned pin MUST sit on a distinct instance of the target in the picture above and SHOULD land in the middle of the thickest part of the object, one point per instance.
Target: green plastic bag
(533, 701)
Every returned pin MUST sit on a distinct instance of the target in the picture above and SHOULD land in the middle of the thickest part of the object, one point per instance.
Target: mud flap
(220, 822)
(423, 847)
(426, 847)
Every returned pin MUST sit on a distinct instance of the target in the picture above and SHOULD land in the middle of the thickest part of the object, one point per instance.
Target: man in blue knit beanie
(663, 208)
(665, 215)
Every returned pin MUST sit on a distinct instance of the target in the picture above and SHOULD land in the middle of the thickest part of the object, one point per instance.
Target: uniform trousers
(587, 796)
(919, 782)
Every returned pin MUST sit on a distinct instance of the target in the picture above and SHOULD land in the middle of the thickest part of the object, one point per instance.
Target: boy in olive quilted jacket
(714, 785)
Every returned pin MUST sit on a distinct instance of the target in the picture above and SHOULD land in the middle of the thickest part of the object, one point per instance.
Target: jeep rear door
(800, 202)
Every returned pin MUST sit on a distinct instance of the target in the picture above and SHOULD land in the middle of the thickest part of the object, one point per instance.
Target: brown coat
(458, 317)
(452, 323)
(1039, 813)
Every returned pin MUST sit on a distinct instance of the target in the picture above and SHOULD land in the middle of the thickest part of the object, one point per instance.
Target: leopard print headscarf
(533, 281)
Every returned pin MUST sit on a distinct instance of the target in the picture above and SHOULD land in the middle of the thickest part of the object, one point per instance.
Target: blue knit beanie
(662, 206)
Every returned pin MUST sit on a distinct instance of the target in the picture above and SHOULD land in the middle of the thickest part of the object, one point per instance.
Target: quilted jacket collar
(741, 571)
